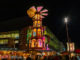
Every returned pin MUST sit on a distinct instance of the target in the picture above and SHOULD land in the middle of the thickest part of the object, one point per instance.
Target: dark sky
(58, 9)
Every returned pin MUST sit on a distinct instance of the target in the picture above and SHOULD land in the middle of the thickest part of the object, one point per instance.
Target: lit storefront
(9, 39)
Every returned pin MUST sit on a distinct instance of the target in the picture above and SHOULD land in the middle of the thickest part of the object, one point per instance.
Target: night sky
(12, 13)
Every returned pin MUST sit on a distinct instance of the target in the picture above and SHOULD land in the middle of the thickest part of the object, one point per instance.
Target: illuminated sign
(70, 47)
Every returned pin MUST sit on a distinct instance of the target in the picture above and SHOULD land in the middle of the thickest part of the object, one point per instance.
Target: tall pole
(67, 33)
(66, 20)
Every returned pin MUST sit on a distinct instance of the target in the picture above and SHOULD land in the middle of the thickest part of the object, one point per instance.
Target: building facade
(9, 39)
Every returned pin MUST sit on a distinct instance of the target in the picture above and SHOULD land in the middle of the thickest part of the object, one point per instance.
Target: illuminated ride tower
(37, 40)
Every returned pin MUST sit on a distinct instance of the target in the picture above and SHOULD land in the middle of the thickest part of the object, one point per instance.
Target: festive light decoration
(37, 14)
(71, 46)
(42, 34)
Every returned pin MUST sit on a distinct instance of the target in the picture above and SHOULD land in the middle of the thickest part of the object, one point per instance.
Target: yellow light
(38, 22)
(34, 30)
(31, 12)
(8, 35)
(37, 16)
(72, 54)
(33, 42)
(35, 23)
(39, 30)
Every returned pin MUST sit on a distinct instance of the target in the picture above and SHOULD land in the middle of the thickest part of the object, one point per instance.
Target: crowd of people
(57, 57)
(48, 57)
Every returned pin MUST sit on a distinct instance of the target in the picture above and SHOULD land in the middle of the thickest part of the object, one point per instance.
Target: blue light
(64, 49)
(34, 33)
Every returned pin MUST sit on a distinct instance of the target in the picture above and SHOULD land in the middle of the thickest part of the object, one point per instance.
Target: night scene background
(13, 16)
